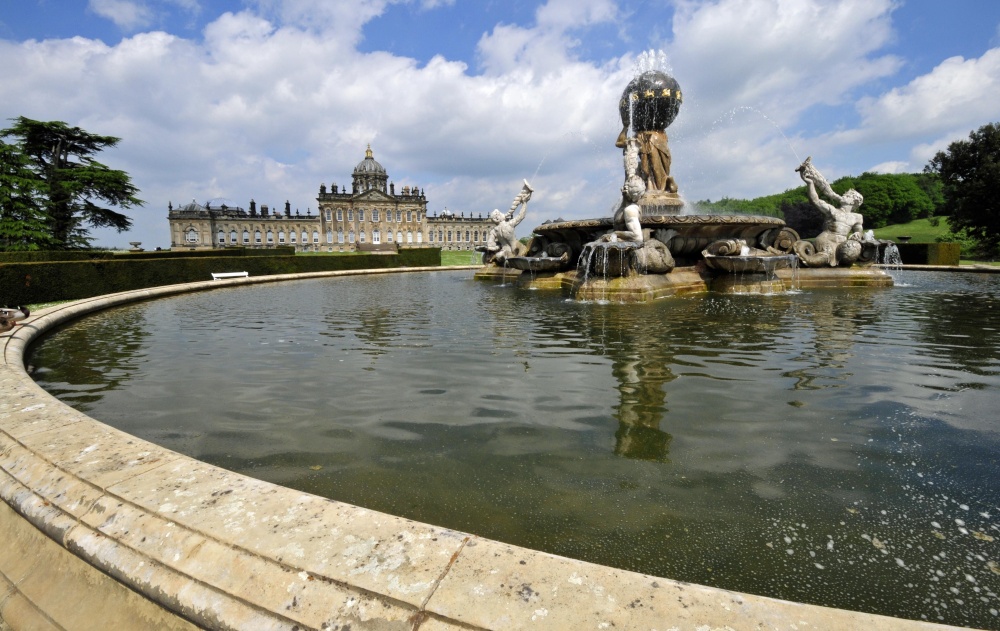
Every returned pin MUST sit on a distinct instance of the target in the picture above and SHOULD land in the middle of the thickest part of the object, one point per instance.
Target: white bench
(220, 275)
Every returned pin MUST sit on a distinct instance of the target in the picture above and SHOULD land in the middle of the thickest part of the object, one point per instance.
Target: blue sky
(267, 99)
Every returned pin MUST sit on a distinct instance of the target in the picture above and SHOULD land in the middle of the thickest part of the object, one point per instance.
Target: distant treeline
(890, 198)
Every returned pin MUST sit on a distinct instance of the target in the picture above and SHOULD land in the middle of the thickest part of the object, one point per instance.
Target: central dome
(369, 166)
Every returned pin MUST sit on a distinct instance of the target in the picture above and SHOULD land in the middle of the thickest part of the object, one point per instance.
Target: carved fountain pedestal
(650, 250)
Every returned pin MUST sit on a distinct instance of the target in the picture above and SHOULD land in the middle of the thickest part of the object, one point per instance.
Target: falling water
(746, 108)
(892, 262)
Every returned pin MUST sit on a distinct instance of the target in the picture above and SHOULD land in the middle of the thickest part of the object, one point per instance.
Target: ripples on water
(835, 447)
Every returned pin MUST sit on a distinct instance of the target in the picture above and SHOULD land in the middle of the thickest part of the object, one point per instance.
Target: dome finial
(368, 151)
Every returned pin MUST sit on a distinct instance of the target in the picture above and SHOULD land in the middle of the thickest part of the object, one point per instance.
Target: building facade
(371, 216)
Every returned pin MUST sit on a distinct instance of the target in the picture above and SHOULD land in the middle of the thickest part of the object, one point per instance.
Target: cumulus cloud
(271, 101)
(751, 69)
(128, 15)
(954, 92)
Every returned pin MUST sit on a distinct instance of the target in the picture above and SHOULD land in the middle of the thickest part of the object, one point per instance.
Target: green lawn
(920, 230)
(458, 257)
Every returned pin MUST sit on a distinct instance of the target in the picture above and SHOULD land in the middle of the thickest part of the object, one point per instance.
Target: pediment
(374, 196)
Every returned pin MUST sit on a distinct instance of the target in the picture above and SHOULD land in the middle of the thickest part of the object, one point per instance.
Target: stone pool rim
(103, 527)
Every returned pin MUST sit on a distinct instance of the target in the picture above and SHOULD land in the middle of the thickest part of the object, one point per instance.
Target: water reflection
(115, 336)
(758, 443)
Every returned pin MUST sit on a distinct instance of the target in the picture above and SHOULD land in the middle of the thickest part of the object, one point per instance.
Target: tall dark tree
(970, 177)
(79, 192)
(23, 223)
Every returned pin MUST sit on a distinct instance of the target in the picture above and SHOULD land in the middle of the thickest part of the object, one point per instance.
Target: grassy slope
(920, 230)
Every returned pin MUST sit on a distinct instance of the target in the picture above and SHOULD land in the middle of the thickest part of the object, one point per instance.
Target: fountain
(649, 250)
(790, 446)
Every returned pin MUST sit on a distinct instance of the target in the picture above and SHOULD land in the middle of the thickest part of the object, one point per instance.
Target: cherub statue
(840, 243)
(501, 242)
(652, 255)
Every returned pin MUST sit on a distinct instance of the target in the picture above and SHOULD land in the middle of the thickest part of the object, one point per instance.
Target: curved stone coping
(225, 551)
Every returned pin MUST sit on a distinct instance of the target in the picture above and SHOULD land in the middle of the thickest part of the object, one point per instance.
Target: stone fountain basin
(748, 264)
(689, 235)
(538, 263)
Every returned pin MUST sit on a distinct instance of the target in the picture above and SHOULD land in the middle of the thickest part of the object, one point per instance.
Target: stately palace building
(369, 216)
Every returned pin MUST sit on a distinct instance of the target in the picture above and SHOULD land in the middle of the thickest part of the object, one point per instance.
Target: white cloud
(953, 95)
(128, 15)
(751, 69)
(546, 47)
(275, 100)
(893, 166)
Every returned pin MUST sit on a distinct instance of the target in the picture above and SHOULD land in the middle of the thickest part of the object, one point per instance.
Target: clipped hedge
(38, 256)
(32, 283)
(947, 253)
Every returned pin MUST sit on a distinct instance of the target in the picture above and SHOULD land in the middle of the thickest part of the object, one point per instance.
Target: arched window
(350, 215)
(409, 236)
(281, 236)
(399, 216)
(256, 236)
(222, 236)
(305, 237)
(340, 214)
(191, 236)
(467, 239)
(420, 237)
(399, 236)
(350, 236)
(291, 236)
(388, 236)
(246, 236)
(475, 236)
(232, 236)
(328, 214)
(374, 217)
(430, 237)
(361, 237)
(361, 214)
(329, 236)
(270, 236)
(340, 236)
(376, 236)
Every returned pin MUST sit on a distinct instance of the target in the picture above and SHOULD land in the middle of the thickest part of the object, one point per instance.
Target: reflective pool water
(838, 447)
